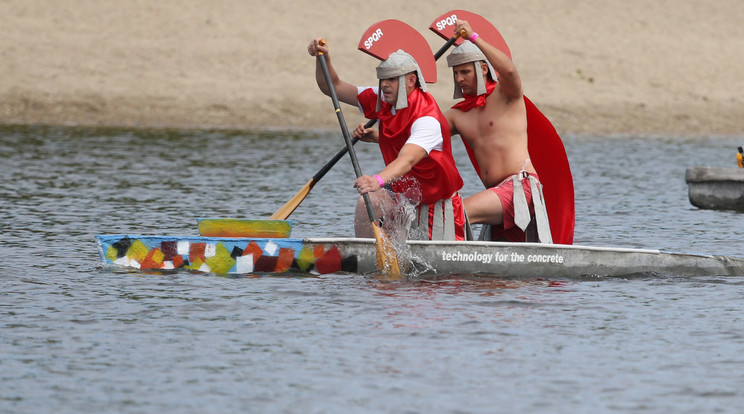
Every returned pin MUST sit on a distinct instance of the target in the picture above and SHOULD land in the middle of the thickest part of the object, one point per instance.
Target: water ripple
(78, 338)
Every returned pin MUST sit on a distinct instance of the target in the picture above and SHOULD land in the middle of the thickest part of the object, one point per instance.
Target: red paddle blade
(444, 26)
(387, 36)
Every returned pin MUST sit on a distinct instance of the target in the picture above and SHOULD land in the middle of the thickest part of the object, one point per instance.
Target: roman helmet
(465, 53)
(398, 64)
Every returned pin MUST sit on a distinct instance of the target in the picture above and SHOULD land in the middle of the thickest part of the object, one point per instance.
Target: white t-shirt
(425, 131)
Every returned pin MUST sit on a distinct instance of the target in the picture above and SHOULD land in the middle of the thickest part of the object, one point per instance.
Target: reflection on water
(76, 338)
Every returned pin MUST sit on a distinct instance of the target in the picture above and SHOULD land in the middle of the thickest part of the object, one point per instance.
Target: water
(76, 338)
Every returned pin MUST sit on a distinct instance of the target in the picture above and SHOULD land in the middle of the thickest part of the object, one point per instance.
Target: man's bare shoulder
(451, 113)
(455, 113)
(455, 117)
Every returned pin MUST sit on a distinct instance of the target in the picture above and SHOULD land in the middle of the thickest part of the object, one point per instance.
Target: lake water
(78, 338)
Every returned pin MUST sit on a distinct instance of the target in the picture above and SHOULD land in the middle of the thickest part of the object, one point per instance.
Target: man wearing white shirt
(415, 143)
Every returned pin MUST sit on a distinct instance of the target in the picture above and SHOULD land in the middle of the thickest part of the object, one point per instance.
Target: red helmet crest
(387, 36)
(444, 26)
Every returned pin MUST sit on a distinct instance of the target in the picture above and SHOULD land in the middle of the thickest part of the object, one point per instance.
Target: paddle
(290, 206)
(446, 46)
(387, 259)
(545, 146)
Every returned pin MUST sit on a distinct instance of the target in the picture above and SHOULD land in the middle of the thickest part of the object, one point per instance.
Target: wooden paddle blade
(387, 36)
(387, 259)
(444, 26)
(290, 206)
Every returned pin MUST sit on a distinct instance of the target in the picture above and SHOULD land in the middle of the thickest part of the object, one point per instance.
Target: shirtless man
(415, 144)
(492, 121)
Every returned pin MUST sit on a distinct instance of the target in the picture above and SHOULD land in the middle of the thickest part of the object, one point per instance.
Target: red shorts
(508, 231)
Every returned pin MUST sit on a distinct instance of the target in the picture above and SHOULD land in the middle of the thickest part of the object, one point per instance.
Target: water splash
(398, 219)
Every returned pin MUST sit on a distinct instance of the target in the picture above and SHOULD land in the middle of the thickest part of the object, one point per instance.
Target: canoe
(716, 188)
(421, 259)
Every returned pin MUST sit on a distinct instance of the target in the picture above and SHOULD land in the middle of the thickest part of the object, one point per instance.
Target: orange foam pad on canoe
(220, 227)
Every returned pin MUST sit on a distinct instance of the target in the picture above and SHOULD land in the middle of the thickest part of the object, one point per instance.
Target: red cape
(551, 163)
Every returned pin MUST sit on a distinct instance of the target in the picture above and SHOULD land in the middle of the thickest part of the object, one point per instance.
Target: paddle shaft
(345, 132)
(446, 46)
(339, 154)
(449, 44)
(289, 207)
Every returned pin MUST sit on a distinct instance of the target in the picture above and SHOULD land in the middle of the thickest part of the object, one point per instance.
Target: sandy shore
(612, 67)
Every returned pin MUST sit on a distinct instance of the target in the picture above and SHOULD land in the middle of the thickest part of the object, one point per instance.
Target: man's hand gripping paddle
(387, 259)
(545, 146)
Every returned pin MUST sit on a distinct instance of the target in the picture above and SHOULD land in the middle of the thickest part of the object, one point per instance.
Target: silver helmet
(465, 53)
(399, 64)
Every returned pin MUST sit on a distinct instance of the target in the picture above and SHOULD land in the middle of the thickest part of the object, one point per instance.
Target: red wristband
(380, 180)
(473, 37)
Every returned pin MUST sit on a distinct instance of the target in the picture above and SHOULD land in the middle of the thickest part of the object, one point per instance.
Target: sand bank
(611, 67)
